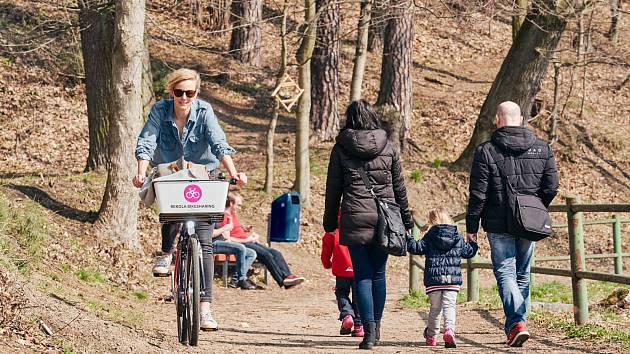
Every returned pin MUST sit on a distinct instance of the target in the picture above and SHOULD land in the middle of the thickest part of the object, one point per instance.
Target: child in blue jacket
(444, 248)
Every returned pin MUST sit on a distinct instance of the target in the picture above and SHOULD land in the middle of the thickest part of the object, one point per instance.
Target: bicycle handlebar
(222, 177)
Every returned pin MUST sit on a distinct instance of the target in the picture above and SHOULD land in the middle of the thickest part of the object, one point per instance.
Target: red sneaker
(346, 325)
(431, 341)
(449, 338)
(518, 335)
(358, 330)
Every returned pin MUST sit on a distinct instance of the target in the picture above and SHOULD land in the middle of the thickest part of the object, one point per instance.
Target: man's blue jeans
(244, 256)
(511, 262)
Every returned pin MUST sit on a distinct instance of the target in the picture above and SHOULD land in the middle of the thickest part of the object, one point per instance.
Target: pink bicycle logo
(192, 193)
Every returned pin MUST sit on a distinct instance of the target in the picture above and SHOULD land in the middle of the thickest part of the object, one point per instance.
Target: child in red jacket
(337, 257)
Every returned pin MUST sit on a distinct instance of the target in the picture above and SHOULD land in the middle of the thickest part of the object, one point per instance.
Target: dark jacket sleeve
(479, 178)
(400, 192)
(549, 183)
(470, 249)
(417, 247)
(334, 188)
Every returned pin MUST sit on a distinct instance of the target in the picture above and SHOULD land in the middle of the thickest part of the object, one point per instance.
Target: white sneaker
(208, 323)
(162, 266)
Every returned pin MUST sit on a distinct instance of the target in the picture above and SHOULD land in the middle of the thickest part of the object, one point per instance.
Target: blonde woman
(184, 126)
(444, 248)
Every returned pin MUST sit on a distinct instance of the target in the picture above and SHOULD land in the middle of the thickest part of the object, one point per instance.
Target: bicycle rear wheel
(194, 286)
(182, 300)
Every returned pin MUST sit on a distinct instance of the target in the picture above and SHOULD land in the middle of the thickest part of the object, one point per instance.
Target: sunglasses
(180, 93)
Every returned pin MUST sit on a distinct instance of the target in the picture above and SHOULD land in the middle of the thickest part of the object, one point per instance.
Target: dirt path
(304, 320)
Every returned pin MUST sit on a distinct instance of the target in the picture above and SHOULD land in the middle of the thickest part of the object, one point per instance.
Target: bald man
(530, 167)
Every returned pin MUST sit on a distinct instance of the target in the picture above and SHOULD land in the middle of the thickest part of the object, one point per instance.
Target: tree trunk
(246, 34)
(614, 20)
(520, 10)
(219, 15)
(520, 76)
(148, 95)
(396, 75)
(96, 22)
(271, 129)
(324, 114)
(360, 53)
(196, 12)
(302, 163)
(118, 215)
(378, 19)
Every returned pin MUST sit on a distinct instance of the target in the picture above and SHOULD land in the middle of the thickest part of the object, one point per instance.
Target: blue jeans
(244, 256)
(369, 263)
(511, 262)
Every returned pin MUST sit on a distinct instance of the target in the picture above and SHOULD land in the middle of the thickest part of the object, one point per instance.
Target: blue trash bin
(285, 218)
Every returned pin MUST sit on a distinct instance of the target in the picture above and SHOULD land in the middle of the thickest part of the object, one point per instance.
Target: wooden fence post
(617, 244)
(472, 280)
(578, 261)
(414, 272)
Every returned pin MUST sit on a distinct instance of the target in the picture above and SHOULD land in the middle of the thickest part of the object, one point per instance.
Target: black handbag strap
(366, 181)
(501, 167)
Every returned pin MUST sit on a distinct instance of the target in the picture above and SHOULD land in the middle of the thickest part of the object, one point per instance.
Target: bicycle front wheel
(182, 301)
(194, 289)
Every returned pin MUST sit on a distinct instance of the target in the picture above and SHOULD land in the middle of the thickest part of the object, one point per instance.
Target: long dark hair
(360, 115)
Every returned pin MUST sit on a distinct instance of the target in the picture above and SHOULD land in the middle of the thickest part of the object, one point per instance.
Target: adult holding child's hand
(362, 143)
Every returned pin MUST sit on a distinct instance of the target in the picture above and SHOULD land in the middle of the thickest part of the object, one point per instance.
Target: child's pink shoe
(358, 330)
(449, 338)
(431, 341)
(346, 325)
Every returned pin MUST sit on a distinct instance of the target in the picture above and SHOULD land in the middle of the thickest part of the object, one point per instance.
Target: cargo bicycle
(188, 201)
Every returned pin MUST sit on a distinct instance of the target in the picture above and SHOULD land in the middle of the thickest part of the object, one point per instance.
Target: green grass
(140, 295)
(416, 175)
(92, 276)
(316, 168)
(589, 330)
(437, 163)
(552, 292)
(22, 234)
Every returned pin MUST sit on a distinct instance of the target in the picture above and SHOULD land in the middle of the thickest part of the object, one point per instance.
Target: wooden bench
(226, 260)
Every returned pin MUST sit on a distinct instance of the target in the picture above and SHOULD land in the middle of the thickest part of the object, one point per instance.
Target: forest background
(72, 106)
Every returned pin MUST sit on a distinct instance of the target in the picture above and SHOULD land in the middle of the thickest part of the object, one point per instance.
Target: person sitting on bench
(271, 258)
(222, 243)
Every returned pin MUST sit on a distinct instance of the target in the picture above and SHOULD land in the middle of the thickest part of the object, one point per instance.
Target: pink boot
(346, 325)
(358, 330)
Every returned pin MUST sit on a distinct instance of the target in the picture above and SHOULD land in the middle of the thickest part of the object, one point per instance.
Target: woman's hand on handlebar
(241, 178)
(138, 180)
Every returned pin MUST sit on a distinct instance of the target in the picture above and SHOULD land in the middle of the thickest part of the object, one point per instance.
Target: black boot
(369, 329)
(377, 332)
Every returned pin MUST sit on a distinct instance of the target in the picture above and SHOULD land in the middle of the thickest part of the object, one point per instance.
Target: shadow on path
(45, 200)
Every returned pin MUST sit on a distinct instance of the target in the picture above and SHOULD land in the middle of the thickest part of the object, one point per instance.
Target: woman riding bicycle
(185, 127)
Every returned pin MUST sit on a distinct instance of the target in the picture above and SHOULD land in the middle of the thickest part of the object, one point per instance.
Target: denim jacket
(202, 142)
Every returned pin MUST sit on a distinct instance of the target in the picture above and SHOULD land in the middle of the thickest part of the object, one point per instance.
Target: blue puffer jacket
(444, 248)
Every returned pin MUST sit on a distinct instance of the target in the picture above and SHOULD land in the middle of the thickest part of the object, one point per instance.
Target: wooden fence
(574, 210)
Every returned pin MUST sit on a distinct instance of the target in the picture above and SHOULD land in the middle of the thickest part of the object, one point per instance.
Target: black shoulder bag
(527, 217)
(390, 230)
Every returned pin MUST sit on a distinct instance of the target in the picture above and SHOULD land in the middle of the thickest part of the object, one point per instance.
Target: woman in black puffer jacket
(362, 142)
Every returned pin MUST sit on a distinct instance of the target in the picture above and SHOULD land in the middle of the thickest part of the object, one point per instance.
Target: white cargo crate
(182, 199)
